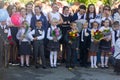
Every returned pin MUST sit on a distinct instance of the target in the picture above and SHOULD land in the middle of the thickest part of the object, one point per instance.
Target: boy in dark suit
(85, 40)
(37, 36)
(72, 40)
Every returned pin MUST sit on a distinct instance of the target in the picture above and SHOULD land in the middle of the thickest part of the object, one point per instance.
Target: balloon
(3, 15)
(16, 19)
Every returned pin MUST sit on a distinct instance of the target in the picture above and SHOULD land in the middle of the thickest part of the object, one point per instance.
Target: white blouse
(49, 33)
(117, 49)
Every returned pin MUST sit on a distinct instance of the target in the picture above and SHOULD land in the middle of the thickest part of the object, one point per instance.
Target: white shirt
(21, 33)
(49, 32)
(117, 17)
(55, 16)
(38, 17)
(38, 37)
(79, 16)
(117, 49)
(113, 36)
(28, 18)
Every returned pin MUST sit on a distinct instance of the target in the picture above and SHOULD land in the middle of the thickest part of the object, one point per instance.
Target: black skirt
(105, 46)
(24, 48)
(53, 46)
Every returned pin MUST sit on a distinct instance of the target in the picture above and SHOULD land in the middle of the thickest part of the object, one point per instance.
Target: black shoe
(21, 66)
(27, 65)
(36, 66)
(44, 67)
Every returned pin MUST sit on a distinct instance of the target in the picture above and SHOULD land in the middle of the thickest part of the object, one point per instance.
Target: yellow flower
(96, 33)
(73, 35)
(92, 32)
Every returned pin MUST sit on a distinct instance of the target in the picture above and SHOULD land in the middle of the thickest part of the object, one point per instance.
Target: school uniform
(53, 46)
(71, 50)
(78, 16)
(104, 45)
(38, 45)
(117, 56)
(85, 40)
(41, 18)
(94, 46)
(24, 44)
(115, 36)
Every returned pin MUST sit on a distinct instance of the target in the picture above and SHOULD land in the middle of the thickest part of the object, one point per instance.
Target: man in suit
(85, 40)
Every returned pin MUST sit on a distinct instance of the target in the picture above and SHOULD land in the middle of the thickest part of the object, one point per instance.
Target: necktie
(116, 35)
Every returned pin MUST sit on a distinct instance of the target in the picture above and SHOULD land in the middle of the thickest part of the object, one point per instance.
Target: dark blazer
(87, 40)
(43, 19)
(75, 17)
(75, 42)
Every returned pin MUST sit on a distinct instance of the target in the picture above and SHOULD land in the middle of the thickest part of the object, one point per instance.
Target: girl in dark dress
(53, 44)
(105, 44)
(94, 46)
(67, 18)
(24, 44)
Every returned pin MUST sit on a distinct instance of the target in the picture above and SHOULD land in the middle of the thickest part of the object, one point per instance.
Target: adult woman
(67, 19)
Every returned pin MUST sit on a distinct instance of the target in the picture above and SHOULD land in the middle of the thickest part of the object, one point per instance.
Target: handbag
(112, 59)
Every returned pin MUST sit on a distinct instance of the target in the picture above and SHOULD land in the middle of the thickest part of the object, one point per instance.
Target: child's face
(24, 24)
(82, 11)
(74, 26)
(95, 25)
(106, 23)
(91, 8)
(116, 27)
(3, 23)
(39, 24)
(85, 25)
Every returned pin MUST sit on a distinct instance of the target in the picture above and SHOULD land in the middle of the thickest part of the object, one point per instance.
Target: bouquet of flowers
(106, 32)
(26, 30)
(56, 32)
(97, 35)
(73, 34)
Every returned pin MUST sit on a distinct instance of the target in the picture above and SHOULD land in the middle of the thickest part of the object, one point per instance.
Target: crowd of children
(40, 35)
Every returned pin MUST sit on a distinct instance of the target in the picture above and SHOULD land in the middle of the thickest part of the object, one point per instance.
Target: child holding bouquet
(72, 40)
(105, 43)
(54, 35)
(96, 35)
(24, 44)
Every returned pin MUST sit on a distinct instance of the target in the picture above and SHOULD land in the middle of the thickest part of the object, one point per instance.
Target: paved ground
(60, 73)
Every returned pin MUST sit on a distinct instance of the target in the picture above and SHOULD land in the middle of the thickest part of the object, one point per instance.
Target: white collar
(53, 27)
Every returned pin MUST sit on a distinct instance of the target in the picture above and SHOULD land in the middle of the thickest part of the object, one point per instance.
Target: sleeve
(113, 38)
(30, 35)
(59, 36)
(18, 36)
(48, 35)
(41, 37)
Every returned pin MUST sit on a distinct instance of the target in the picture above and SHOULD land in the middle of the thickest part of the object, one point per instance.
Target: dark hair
(119, 6)
(40, 9)
(107, 7)
(116, 23)
(29, 3)
(71, 24)
(88, 12)
(9, 9)
(65, 8)
(110, 24)
(93, 23)
(38, 21)
(82, 7)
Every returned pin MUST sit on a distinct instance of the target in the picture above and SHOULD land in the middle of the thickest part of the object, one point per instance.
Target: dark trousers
(83, 56)
(38, 51)
(70, 55)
